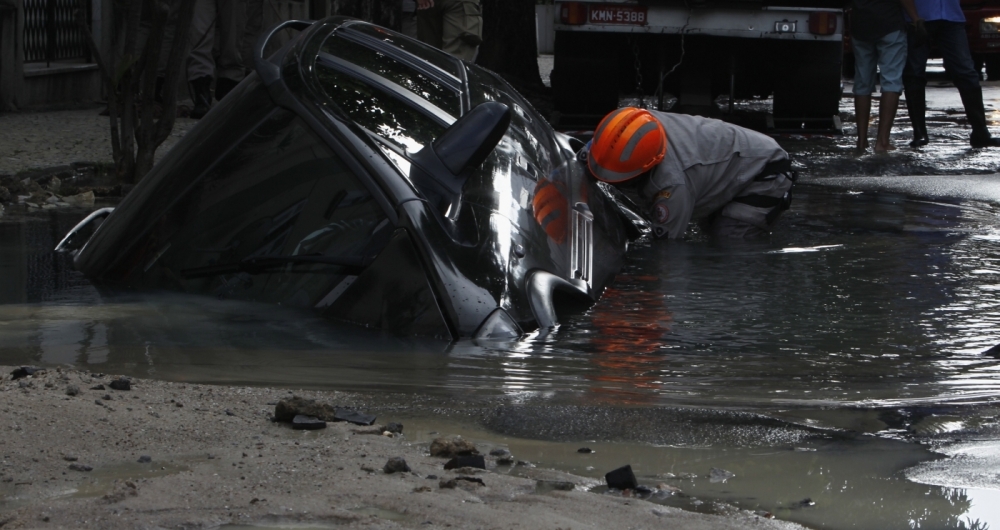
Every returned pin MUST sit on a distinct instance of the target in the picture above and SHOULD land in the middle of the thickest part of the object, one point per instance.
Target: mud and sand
(211, 457)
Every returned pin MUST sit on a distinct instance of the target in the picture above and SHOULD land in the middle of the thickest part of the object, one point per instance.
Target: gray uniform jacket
(708, 163)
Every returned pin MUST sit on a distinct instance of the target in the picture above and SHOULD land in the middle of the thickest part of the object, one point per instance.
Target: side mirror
(444, 166)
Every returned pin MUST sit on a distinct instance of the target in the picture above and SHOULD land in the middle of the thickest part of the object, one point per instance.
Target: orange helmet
(627, 143)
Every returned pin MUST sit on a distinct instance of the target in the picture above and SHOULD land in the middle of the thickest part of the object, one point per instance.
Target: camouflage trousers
(455, 26)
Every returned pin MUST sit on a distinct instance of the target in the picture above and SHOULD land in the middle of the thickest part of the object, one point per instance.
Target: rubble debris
(542, 486)
(716, 475)
(474, 461)
(396, 464)
(451, 447)
(393, 427)
(307, 423)
(621, 478)
(23, 371)
(121, 384)
(286, 410)
(353, 416)
(145, 459)
(80, 467)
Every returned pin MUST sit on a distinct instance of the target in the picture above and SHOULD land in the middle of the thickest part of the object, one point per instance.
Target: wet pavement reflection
(860, 327)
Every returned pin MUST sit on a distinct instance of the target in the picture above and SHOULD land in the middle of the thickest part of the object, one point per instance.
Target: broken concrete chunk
(307, 423)
(23, 371)
(121, 384)
(474, 461)
(449, 447)
(353, 416)
(287, 409)
(396, 464)
(621, 478)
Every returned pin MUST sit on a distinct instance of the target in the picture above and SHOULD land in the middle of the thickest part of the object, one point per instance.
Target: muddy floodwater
(838, 374)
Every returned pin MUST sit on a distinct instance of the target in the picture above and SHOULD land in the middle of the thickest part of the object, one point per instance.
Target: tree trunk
(509, 47)
(386, 13)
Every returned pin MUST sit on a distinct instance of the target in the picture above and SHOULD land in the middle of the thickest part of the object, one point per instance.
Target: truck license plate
(611, 14)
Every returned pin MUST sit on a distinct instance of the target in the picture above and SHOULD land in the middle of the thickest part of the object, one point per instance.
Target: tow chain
(638, 71)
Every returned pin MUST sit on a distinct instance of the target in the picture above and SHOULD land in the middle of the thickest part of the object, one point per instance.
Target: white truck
(608, 51)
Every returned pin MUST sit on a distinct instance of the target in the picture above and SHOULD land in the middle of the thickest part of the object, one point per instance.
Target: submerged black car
(379, 181)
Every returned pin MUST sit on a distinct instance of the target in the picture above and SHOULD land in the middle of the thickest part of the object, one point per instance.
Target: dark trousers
(951, 40)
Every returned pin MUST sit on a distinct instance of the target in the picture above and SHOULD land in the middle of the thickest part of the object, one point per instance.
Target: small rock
(716, 475)
(474, 461)
(447, 484)
(307, 423)
(499, 451)
(54, 184)
(621, 478)
(807, 502)
(145, 459)
(121, 384)
(98, 402)
(585, 450)
(396, 464)
(25, 384)
(98, 387)
(23, 371)
(70, 458)
(421, 489)
(229, 413)
(449, 447)
(542, 486)
(505, 460)
(80, 467)
(394, 428)
(106, 397)
(475, 480)
(178, 404)
(287, 409)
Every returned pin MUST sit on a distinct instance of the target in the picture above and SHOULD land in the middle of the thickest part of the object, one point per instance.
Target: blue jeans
(953, 43)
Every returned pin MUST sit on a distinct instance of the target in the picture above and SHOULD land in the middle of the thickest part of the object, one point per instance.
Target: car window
(379, 112)
(534, 139)
(395, 71)
(281, 192)
(430, 54)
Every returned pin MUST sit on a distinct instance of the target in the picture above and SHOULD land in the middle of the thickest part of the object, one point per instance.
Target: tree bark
(509, 46)
(386, 13)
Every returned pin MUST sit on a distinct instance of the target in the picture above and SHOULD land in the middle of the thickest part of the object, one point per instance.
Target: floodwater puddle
(842, 370)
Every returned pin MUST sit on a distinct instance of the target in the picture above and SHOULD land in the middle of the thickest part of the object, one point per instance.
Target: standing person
(216, 38)
(252, 22)
(945, 30)
(735, 182)
(454, 26)
(879, 40)
(409, 25)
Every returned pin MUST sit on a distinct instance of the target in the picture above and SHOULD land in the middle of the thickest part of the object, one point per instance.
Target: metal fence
(51, 32)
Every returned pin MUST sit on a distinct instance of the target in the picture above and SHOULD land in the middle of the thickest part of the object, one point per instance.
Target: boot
(916, 106)
(975, 112)
(223, 86)
(201, 94)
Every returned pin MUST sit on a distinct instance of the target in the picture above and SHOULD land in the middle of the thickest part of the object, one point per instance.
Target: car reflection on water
(379, 181)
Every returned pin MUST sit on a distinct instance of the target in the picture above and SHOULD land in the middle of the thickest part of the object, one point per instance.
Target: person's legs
(954, 45)
(201, 64)
(864, 84)
(253, 22)
(754, 211)
(429, 23)
(229, 36)
(891, 58)
(461, 31)
(915, 83)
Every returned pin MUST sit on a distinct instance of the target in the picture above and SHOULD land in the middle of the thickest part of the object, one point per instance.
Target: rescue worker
(453, 26)
(733, 181)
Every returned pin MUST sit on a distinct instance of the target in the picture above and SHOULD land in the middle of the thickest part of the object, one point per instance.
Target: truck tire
(992, 67)
(807, 80)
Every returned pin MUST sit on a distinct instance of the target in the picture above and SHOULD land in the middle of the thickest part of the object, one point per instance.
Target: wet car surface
(379, 181)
